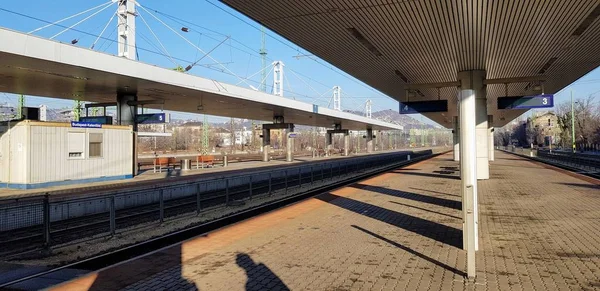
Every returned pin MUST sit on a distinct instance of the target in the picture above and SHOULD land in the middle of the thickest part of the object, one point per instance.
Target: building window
(95, 145)
(76, 144)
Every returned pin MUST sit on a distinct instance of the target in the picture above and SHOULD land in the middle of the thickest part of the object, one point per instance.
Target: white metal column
(456, 138)
(125, 112)
(266, 144)
(491, 138)
(369, 140)
(289, 157)
(346, 143)
(474, 80)
(126, 28)
(328, 143)
(468, 168)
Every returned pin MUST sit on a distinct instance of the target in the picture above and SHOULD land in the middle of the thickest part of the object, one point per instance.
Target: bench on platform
(166, 163)
(201, 161)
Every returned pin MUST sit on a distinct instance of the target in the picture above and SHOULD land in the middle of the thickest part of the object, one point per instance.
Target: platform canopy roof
(36, 66)
(390, 44)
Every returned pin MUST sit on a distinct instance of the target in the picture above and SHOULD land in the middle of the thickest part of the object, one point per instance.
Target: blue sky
(306, 77)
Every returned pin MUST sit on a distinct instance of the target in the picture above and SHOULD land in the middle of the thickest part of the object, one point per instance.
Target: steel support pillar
(491, 138)
(289, 157)
(328, 143)
(126, 116)
(470, 147)
(346, 144)
(369, 140)
(266, 143)
(468, 175)
(125, 112)
(456, 138)
(473, 80)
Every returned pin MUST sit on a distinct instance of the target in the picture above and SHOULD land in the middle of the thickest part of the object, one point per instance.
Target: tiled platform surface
(539, 230)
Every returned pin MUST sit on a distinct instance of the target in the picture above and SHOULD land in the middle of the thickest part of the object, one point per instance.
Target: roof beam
(515, 80)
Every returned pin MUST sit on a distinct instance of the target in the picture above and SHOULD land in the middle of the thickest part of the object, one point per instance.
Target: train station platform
(148, 177)
(539, 230)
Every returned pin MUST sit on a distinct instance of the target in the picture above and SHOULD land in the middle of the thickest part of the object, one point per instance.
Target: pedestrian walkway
(401, 230)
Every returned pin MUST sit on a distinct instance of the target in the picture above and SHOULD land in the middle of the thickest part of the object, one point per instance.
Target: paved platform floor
(539, 230)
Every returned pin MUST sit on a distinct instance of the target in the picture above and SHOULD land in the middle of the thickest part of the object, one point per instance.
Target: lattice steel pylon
(368, 108)
(278, 78)
(337, 98)
(205, 135)
(263, 57)
(126, 27)
(20, 106)
(76, 110)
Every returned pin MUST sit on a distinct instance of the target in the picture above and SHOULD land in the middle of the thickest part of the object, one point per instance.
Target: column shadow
(433, 230)
(436, 192)
(260, 277)
(426, 175)
(453, 204)
(431, 211)
(407, 249)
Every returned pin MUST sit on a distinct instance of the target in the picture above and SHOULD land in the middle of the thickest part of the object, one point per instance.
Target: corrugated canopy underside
(388, 43)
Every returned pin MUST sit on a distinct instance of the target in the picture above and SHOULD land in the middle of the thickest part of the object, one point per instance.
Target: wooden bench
(204, 160)
(164, 162)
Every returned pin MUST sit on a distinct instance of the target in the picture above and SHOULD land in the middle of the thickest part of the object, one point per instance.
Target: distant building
(543, 129)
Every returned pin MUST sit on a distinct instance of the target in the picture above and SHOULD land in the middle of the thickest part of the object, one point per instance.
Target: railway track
(103, 260)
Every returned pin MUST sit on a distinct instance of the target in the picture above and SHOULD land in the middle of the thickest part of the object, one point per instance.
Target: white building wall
(13, 154)
(39, 154)
(50, 159)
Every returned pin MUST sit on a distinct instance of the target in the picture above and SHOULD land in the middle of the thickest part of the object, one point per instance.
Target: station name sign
(85, 124)
(423, 106)
(97, 119)
(150, 118)
(526, 102)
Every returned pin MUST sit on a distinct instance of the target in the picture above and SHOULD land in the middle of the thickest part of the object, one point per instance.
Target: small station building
(36, 154)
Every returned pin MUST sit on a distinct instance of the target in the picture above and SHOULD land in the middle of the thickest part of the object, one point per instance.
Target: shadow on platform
(412, 196)
(433, 230)
(166, 275)
(436, 192)
(402, 172)
(409, 250)
(407, 205)
(590, 186)
(260, 277)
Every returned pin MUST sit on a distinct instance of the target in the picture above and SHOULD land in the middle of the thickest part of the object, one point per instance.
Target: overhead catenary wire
(104, 29)
(160, 52)
(189, 42)
(158, 40)
(67, 18)
(81, 21)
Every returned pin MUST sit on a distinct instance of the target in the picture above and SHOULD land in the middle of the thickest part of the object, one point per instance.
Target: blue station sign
(423, 106)
(86, 124)
(526, 102)
(150, 118)
(97, 119)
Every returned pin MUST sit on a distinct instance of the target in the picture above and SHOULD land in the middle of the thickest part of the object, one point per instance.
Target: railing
(577, 161)
(45, 222)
